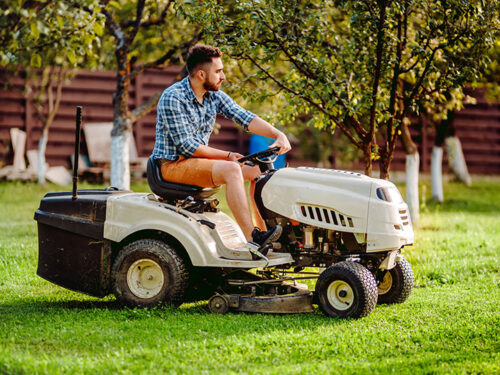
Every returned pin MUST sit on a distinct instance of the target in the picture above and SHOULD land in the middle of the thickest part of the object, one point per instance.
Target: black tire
(149, 272)
(351, 279)
(397, 283)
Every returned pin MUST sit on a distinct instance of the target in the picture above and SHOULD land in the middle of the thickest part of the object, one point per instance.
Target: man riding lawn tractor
(342, 229)
(186, 117)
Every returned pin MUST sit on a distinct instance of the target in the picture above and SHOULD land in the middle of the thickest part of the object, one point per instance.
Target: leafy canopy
(55, 33)
(362, 66)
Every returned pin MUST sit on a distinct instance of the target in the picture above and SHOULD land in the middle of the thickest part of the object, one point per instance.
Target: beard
(211, 86)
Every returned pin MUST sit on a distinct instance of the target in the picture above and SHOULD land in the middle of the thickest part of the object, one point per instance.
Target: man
(185, 119)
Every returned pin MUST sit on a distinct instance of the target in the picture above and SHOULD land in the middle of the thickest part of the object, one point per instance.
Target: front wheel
(397, 283)
(346, 290)
(148, 272)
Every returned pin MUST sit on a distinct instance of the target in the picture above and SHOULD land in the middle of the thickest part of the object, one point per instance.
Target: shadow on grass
(35, 309)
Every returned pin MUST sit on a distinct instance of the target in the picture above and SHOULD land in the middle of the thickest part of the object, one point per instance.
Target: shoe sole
(274, 236)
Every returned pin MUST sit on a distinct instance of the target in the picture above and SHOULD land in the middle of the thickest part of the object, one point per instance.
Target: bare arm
(208, 152)
(257, 126)
(261, 127)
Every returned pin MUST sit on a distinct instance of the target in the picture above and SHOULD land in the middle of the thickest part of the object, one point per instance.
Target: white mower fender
(127, 214)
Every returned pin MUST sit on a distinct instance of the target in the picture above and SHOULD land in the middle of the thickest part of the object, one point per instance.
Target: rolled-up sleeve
(231, 110)
(179, 127)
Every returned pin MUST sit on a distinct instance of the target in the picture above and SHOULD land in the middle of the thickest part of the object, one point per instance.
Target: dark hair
(199, 55)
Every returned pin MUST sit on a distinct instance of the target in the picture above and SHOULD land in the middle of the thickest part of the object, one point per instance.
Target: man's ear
(201, 74)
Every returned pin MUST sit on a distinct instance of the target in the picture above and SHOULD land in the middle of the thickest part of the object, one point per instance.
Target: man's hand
(283, 143)
(261, 127)
(234, 156)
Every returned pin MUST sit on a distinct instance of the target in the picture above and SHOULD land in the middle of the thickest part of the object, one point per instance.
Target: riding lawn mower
(343, 229)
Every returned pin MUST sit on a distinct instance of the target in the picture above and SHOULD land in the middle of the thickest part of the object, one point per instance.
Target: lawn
(450, 323)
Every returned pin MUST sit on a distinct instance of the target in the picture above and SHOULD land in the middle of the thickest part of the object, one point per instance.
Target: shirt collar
(189, 91)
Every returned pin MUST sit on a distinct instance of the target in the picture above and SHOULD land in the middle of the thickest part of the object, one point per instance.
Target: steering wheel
(261, 157)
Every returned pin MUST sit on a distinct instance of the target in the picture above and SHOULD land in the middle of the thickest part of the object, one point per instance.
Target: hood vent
(325, 215)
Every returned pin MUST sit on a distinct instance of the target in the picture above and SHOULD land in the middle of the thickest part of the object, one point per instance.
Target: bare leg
(259, 221)
(250, 174)
(230, 174)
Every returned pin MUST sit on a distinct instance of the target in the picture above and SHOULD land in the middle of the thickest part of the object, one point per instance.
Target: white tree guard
(412, 167)
(120, 161)
(41, 167)
(437, 173)
(456, 160)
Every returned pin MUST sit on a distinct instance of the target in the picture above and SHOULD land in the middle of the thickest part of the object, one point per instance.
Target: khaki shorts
(190, 171)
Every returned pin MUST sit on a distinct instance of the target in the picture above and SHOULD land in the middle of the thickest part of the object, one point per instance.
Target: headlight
(383, 193)
(389, 194)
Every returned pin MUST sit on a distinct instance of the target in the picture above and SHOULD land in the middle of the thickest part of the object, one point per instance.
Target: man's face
(214, 75)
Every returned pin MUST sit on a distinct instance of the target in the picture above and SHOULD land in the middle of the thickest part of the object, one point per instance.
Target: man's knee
(251, 173)
(224, 172)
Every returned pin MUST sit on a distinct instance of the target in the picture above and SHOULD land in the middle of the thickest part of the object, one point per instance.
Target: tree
(361, 66)
(47, 40)
(144, 35)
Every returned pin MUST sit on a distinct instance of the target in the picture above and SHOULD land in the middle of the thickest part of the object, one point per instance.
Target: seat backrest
(170, 190)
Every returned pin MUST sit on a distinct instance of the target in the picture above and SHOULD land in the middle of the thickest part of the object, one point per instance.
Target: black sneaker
(262, 238)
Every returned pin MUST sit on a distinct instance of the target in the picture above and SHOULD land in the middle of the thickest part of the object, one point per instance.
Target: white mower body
(320, 198)
(372, 209)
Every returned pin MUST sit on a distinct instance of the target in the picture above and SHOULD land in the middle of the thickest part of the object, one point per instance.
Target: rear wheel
(346, 290)
(148, 272)
(397, 283)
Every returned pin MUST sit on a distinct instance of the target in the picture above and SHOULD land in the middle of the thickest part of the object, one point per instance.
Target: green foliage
(344, 62)
(49, 33)
(450, 323)
(161, 29)
(491, 78)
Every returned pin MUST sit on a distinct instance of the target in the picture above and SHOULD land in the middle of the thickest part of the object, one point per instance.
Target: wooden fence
(478, 126)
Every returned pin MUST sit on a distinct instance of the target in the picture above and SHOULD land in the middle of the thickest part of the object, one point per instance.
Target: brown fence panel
(478, 126)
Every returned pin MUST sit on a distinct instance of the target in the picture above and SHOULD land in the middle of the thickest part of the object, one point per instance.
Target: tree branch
(136, 23)
(145, 107)
(114, 27)
(308, 100)
(151, 22)
(378, 71)
(280, 43)
(167, 56)
(309, 74)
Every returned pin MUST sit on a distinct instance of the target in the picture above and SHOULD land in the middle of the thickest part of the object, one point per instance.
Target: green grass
(450, 324)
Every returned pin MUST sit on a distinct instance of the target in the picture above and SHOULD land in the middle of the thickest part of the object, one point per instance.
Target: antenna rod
(77, 150)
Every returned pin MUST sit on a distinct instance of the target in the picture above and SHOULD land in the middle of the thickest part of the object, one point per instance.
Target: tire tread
(163, 252)
(364, 282)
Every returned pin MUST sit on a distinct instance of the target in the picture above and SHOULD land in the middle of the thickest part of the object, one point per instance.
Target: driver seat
(170, 190)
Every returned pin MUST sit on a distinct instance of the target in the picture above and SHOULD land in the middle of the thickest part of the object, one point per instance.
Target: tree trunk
(367, 154)
(122, 124)
(42, 146)
(436, 173)
(385, 165)
(412, 169)
(120, 153)
(456, 160)
(444, 129)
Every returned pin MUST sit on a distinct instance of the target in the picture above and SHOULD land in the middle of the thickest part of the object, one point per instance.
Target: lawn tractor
(342, 229)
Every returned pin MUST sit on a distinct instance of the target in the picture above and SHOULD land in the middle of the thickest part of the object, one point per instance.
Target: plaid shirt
(183, 123)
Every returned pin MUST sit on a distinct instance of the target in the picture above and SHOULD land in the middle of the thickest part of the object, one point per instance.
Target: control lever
(259, 251)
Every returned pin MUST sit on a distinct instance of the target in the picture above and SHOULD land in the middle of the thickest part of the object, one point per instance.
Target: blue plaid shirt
(183, 123)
